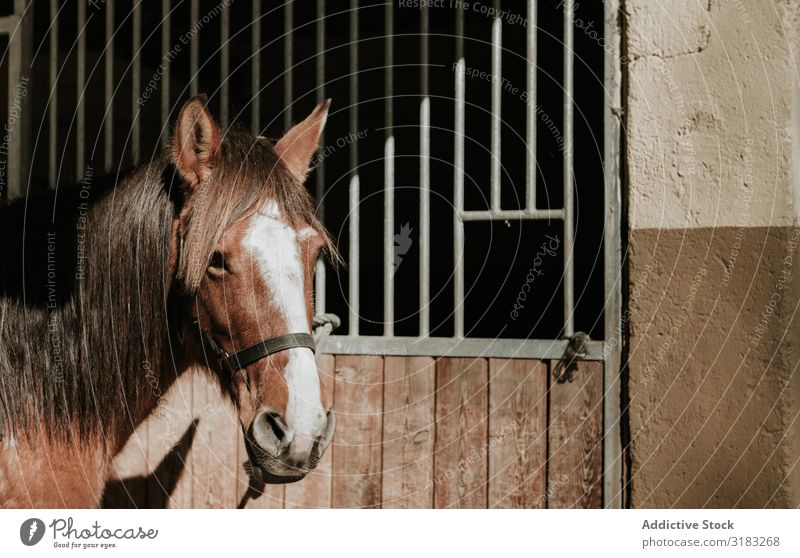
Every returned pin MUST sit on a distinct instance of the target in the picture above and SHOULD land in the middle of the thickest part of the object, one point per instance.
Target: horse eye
(217, 262)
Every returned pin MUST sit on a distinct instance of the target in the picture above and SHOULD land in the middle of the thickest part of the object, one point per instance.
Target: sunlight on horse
(203, 258)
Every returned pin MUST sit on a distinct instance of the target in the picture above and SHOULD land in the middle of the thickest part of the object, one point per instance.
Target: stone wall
(712, 156)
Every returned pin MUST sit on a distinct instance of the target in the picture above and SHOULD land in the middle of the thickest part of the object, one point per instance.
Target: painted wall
(713, 107)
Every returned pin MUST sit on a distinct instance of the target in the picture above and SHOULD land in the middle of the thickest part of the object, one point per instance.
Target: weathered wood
(126, 486)
(357, 444)
(517, 433)
(315, 490)
(460, 471)
(171, 434)
(215, 455)
(408, 431)
(576, 439)
(151, 470)
(412, 432)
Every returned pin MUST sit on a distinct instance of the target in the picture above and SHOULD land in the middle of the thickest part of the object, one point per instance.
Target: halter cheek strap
(232, 363)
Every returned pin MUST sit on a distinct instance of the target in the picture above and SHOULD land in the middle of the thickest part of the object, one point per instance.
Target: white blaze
(273, 244)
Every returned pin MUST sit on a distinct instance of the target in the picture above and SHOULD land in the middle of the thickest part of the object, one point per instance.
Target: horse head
(244, 246)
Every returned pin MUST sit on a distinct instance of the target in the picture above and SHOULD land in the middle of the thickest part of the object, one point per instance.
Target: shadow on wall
(155, 489)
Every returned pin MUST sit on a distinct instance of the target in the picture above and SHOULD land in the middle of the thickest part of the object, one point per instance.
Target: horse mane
(87, 304)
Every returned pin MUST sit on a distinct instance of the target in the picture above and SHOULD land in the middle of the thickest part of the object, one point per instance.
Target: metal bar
(613, 465)
(24, 8)
(52, 107)
(355, 187)
(424, 180)
(255, 86)
(530, 111)
(136, 136)
(497, 116)
(108, 86)
(319, 288)
(18, 129)
(569, 225)
(165, 59)
(194, 45)
(288, 47)
(8, 24)
(451, 347)
(80, 82)
(388, 177)
(320, 70)
(458, 186)
(224, 66)
(539, 214)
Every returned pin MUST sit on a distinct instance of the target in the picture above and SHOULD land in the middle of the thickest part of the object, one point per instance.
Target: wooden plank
(460, 471)
(358, 393)
(214, 461)
(126, 486)
(150, 470)
(315, 490)
(517, 433)
(576, 439)
(408, 431)
(170, 436)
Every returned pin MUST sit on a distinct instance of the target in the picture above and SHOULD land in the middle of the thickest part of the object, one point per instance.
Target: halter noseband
(232, 363)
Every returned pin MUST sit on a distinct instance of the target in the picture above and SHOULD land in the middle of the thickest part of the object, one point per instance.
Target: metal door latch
(576, 350)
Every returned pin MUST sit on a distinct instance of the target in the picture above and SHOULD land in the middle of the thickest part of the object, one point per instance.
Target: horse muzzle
(278, 455)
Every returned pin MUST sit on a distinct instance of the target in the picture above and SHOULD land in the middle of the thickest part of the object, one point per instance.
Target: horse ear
(195, 142)
(297, 147)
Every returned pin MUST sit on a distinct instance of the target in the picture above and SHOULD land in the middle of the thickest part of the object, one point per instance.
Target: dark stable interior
(499, 256)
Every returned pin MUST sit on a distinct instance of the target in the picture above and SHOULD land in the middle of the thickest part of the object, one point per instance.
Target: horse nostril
(278, 426)
(271, 433)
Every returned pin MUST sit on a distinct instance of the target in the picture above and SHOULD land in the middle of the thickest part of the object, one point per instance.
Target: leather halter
(232, 363)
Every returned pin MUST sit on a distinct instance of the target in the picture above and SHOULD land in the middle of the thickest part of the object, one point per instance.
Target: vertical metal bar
(497, 117)
(224, 65)
(288, 55)
(52, 108)
(167, 62)
(355, 187)
(108, 123)
(612, 246)
(255, 88)
(80, 112)
(388, 176)
(530, 111)
(569, 235)
(424, 181)
(194, 48)
(458, 195)
(319, 287)
(137, 80)
(320, 61)
(18, 130)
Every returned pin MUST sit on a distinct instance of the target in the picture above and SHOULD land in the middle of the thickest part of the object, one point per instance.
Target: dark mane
(86, 301)
(83, 304)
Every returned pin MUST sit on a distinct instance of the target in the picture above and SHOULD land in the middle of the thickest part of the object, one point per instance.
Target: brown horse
(202, 258)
